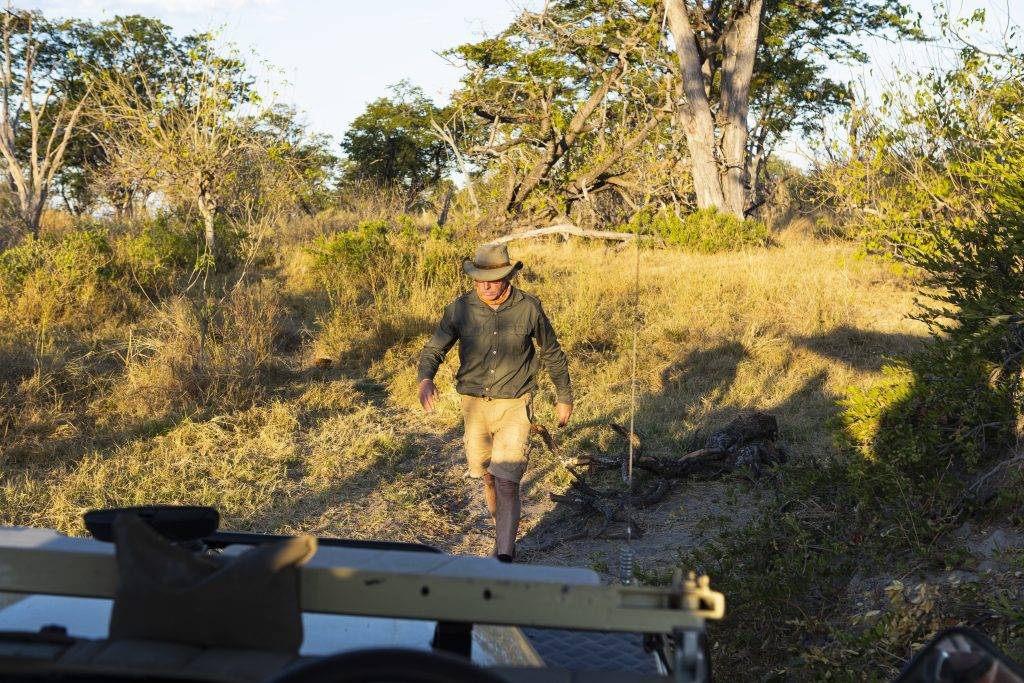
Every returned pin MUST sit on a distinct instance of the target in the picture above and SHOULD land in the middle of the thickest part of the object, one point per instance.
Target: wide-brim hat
(491, 262)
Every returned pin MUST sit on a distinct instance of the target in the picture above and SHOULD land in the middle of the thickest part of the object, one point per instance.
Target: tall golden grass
(143, 406)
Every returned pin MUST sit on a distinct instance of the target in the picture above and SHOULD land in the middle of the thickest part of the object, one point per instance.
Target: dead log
(654, 495)
(691, 464)
(749, 426)
(987, 485)
(609, 512)
(566, 230)
(748, 442)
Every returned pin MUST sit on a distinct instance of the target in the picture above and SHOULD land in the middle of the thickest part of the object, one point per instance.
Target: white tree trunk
(695, 110)
(45, 154)
(719, 180)
(737, 71)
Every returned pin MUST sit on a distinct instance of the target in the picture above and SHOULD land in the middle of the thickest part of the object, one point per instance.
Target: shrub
(346, 262)
(383, 281)
(77, 257)
(158, 252)
(353, 251)
(207, 359)
(18, 262)
(58, 276)
(968, 385)
(387, 261)
(705, 230)
(931, 416)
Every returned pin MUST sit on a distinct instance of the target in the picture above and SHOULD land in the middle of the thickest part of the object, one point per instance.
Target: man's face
(490, 290)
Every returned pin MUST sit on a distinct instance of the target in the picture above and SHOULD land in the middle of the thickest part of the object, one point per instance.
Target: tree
(583, 98)
(722, 45)
(157, 61)
(560, 105)
(307, 156)
(392, 144)
(40, 109)
(186, 144)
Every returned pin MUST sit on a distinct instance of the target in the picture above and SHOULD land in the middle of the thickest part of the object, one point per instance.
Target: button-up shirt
(497, 354)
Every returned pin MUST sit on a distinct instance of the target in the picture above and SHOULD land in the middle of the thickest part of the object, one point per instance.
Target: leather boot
(509, 509)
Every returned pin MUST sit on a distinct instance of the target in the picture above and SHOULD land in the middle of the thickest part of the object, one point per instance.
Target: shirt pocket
(514, 339)
(473, 345)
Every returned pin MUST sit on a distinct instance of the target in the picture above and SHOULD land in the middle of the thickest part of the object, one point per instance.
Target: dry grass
(787, 330)
(279, 445)
(187, 356)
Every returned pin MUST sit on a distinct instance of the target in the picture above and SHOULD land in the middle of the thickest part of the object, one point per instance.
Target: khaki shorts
(497, 435)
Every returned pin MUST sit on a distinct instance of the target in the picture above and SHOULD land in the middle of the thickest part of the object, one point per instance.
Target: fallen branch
(748, 441)
(746, 444)
(570, 463)
(990, 483)
(703, 461)
(566, 230)
(653, 495)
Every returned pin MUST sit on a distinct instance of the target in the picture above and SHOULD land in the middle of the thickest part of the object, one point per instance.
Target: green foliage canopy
(391, 143)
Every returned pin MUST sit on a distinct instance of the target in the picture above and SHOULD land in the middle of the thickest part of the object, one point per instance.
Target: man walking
(497, 326)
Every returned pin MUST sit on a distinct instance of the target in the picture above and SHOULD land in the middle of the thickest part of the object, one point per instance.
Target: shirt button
(492, 372)
(493, 352)
(495, 332)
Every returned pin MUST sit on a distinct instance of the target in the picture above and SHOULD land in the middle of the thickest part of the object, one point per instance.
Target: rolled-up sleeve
(553, 358)
(438, 346)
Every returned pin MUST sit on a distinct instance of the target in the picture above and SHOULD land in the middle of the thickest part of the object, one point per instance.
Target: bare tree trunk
(206, 209)
(725, 188)
(34, 215)
(445, 134)
(695, 110)
(737, 71)
(45, 153)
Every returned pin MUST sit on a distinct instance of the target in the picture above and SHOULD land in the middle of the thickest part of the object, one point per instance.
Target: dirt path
(693, 513)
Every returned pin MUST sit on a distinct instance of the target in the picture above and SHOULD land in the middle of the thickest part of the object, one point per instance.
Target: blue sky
(333, 57)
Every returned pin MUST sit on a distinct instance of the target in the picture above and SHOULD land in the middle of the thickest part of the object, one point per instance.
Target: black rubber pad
(591, 650)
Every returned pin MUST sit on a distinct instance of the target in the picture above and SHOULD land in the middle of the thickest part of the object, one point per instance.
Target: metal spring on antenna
(626, 556)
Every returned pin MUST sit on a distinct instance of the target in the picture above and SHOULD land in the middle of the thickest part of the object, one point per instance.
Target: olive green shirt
(497, 357)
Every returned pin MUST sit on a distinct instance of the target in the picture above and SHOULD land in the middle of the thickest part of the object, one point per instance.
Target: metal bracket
(454, 637)
(691, 663)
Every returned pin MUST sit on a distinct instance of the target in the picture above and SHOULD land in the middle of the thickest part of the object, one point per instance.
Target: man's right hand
(428, 395)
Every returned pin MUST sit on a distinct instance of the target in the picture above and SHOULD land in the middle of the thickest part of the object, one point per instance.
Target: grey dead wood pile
(987, 485)
(747, 443)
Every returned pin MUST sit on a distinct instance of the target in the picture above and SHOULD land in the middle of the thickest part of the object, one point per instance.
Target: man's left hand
(563, 411)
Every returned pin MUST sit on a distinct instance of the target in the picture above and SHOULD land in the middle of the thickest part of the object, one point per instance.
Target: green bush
(159, 251)
(952, 407)
(354, 250)
(67, 265)
(386, 261)
(81, 256)
(934, 414)
(969, 383)
(18, 262)
(706, 230)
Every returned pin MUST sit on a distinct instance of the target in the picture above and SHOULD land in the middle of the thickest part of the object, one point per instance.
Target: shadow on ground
(694, 511)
